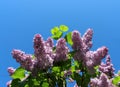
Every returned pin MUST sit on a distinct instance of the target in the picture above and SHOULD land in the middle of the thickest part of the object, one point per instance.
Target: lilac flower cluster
(87, 39)
(61, 51)
(78, 46)
(83, 44)
(102, 81)
(43, 52)
(107, 68)
(25, 60)
(94, 58)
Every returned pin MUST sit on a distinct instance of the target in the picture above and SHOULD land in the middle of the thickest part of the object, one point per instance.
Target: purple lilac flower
(82, 45)
(93, 58)
(99, 54)
(61, 51)
(107, 68)
(43, 52)
(44, 63)
(94, 82)
(89, 62)
(24, 59)
(78, 46)
(87, 39)
(11, 70)
(102, 81)
(49, 42)
(39, 47)
(77, 41)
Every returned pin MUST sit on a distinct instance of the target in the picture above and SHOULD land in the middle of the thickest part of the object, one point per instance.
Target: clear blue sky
(21, 19)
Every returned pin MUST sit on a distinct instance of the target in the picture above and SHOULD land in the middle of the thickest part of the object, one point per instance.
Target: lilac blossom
(99, 54)
(102, 81)
(43, 52)
(107, 68)
(90, 59)
(77, 41)
(78, 46)
(49, 42)
(25, 60)
(11, 70)
(87, 39)
(39, 47)
(94, 58)
(61, 51)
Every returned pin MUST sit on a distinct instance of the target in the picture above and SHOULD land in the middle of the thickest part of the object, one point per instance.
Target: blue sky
(21, 19)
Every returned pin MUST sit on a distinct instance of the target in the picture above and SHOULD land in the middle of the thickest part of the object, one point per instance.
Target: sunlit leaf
(63, 28)
(76, 63)
(116, 80)
(19, 73)
(56, 69)
(68, 38)
(73, 68)
(55, 30)
(62, 73)
(57, 35)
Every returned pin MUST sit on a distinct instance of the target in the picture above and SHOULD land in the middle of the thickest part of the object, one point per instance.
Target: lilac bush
(51, 65)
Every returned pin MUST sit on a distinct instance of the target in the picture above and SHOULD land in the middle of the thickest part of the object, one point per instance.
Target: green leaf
(71, 54)
(116, 80)
(45, 84)
(63, 28)
(97, 72)
(96, 67)
(26, 85)
(56, 69)
(61, 82)
(15, 83)
(57, 35)
(66, 64)
(62, 73)
(86, 80)
(77, 77)
(19, 73)
(73, 68)
(36, 83)
(76, 63)
(68, 38)
(55, 30)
